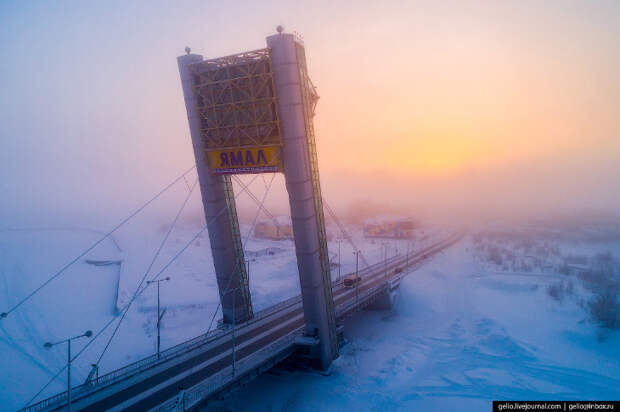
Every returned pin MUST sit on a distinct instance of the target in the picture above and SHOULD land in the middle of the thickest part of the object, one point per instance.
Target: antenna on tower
(187, 50)
(280, 29)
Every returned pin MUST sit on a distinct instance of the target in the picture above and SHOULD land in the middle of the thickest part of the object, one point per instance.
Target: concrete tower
(220, 212)
(296, 99)
(252, 113)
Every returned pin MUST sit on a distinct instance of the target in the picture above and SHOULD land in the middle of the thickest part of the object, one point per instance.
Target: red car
(352, 281)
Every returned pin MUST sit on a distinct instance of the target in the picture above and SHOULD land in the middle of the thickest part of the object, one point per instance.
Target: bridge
(248, 113)
(212, 364)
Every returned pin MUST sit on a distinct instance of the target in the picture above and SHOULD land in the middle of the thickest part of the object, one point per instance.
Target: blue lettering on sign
(243, 158)
(223, 159)
(236, 159)
(261, 156)
(249, 158)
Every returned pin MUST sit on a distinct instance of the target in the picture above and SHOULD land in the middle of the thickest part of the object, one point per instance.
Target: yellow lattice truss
(236, 99)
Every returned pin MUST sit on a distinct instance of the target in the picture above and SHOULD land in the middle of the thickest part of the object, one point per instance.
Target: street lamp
(49, 345)
(358, 281)
(385, 257)
(357, 255)
(96, 370)
(148, 282)
(234, 325)
(247, 270)
(408, 246)
(339, 261)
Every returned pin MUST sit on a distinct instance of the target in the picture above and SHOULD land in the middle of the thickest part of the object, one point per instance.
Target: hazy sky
(474, 105)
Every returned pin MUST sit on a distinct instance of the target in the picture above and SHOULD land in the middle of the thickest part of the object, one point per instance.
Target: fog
(462, 111)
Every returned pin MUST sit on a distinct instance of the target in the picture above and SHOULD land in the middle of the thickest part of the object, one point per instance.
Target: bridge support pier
(385, 299)
(220, 213)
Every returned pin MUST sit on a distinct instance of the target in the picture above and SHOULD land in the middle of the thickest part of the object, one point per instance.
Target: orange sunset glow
(310, 205)
(471, 95)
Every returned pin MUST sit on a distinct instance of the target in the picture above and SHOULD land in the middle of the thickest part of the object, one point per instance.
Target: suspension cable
(344, 232)
(148, 270)
(59, 272)
(176, 256)
(260, 206)
(258, 202)
(329, 209)
(184, 248)
(244, 242)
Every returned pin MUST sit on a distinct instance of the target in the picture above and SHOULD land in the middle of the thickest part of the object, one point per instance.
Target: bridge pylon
(296, 101)
(252, 112)
(220, 212)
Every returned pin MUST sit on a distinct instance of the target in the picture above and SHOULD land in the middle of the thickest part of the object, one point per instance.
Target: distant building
(394, 228)
(279, 228)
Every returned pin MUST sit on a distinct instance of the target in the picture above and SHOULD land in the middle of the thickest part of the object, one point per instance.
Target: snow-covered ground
(87, 296)
(461, 333)
(457, 338)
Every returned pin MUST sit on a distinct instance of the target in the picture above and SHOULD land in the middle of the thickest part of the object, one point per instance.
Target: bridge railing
(126, 371)
(357, 302)
(196, 394)
(152, 360)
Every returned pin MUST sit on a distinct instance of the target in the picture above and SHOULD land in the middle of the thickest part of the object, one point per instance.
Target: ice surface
(459, 336)
(455, 340)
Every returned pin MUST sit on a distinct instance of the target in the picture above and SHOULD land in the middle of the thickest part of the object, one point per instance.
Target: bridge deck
(205, 364)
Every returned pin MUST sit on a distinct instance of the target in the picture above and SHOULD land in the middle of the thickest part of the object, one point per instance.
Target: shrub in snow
(556, 291)
(527, 245)
(564, 268)
(576, 259)
(560, 290)
(568, 289)
(600, 277)
(495, 256)
(605, 309)
(604, 257)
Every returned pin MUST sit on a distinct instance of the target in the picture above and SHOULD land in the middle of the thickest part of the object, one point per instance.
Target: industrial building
(392, 228)
(279, 228)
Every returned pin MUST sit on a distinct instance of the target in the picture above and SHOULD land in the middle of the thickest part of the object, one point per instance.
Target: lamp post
(247, 271)
(408, 245)
(385, 265)
(49, 345)
(96, 368)
(384, 249)
(339, 261)
(234, 354)
(148, 282)
(234, 325)
(357, 255)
